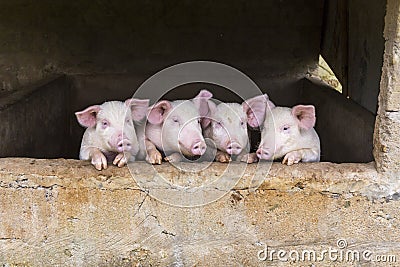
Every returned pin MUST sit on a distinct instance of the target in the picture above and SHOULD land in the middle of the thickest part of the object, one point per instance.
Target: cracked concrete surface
(65, 213)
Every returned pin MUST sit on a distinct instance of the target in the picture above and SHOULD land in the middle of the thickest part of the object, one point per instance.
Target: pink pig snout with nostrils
(198, 147)
(264, 153)
(233, 148)
(191, 139)
(119, 143)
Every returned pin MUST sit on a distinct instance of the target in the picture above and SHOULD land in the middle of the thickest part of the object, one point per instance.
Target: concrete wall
(262, 38)
(76, 217)
(387, 127)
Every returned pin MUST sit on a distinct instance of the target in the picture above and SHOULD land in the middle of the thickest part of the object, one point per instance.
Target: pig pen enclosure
(59, 57)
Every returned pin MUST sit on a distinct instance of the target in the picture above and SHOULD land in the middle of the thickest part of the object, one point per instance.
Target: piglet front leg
(153, 156)
(122, 159)
(98, 160)
(305, 155)
(222, 156)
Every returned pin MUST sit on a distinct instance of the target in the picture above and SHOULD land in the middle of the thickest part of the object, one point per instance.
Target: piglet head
(180, 124)
(113, 123)
(228, 124)
(283, 129)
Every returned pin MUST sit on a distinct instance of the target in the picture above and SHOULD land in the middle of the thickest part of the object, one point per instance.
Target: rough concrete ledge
(65, 213)
(319, 177)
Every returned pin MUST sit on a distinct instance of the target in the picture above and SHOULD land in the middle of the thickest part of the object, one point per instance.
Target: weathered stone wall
(65, 213)
(387, 128)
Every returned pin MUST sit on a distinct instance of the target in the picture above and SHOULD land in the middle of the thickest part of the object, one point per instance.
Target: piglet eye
(198, 121)
(286, 128)
(128, 121)
(242, 123)
(175, 119)
(104, 124)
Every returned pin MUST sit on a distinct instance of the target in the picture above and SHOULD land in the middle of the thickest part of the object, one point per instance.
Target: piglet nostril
(233, 148)
(263, 153)
(124, 145)
(198, 148)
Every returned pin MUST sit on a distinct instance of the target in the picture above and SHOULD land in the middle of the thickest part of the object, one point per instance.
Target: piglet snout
(263, 153)
(124, 145)
(119, 143)
(198, 148)
(233, 148)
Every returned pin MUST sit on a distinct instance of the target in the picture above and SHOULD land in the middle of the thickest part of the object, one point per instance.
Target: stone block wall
(387, 128)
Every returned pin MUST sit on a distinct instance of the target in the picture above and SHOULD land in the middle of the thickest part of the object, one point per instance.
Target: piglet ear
(87, 117)
(305, 115)
(138, 107)
(206, 119)
(255, 109)
(158, 111)
(202, 104)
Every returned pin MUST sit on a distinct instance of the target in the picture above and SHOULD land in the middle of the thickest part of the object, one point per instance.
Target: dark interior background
(104, 50)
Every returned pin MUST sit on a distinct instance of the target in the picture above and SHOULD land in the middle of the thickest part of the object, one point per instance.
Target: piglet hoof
(99, 161)
(154, 157)
(292, 158)
(249, 158)
(120, 160)
(175, 157)
(223, 157)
